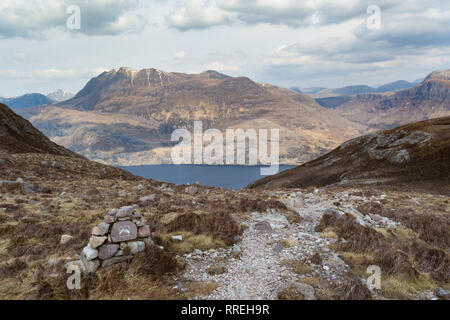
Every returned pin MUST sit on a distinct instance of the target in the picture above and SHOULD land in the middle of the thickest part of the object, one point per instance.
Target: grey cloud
(32, 18)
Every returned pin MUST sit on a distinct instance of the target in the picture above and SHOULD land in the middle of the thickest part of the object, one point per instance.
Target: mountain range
(36, 99)
(126, 116)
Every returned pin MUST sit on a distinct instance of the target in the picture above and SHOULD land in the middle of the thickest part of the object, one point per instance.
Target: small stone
(90, 266)
(101, 229)
(263, 226)
(97, 241)
(144, 231)
(112, 212)
(177, 238)
(299, 203)
(142, 222)
(442, 294)
(89, 253)
(136, 246)
(375, 217)
(115, 260)
(192, 190)
(119, 253)
(326, 268)
(125, 212)
(198, 251)
(235, 249)
(65, 238)
(109, 219)
(123, 231)
(107, 251)
(278, 248)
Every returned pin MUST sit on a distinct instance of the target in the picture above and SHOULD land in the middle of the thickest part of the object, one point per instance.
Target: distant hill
(429, 99)
(26, 101)
(395, 86)
(417, 153)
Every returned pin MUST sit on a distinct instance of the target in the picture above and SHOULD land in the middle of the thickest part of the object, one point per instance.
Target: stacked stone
(123, 233)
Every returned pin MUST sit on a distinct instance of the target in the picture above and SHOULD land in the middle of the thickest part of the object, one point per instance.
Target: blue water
(230, 177)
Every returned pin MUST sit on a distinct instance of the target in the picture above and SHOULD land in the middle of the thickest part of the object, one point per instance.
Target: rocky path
(260, 266)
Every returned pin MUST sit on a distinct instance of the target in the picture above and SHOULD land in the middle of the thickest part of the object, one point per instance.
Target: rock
(45, 163)
(109, 219)
(65, 238)
(375, 217)
(90, 266)
(112, 212)
(278, 248)
(192, 190)
(235, 249)
(124, 219)
(115, 260)
(107, 251)
(125, 212)
(263, 226)
(334, 260)
(2, 161)
(142, 222)
(136, 246)
(89, 253)
(177, 238)
(119, 253)
(299, 203)
(198, 251)
(101, 229)
(135, 216)
(146, 201)
(297, 291)
(442, 294)
(97, 241)
(144, 231)
(123, 231)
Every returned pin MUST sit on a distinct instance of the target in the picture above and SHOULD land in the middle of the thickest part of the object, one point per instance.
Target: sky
(50, 44)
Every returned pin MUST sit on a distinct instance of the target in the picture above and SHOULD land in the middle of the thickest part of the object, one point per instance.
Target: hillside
(126, 116)
(417, 154)
(17, 135)
(429, 99)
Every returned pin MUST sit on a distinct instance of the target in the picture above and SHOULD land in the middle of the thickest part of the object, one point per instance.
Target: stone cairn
(123, 234)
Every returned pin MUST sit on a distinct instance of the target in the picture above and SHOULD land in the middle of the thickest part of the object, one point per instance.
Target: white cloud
(197, 14)
(49, 75)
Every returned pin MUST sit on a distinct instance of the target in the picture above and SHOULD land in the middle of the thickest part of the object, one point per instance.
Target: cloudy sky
(329, 43)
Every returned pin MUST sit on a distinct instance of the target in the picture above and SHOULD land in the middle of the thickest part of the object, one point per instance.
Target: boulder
(65, 238)
(192, 190)
(107, 251)
(125, 212)
(263, 226)
(101, 229)
(109, 219)
(89, 253)
(90, 266)
(123, 231)
(144, 231)
(297, 291)
(136, 246)
(97, 241)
